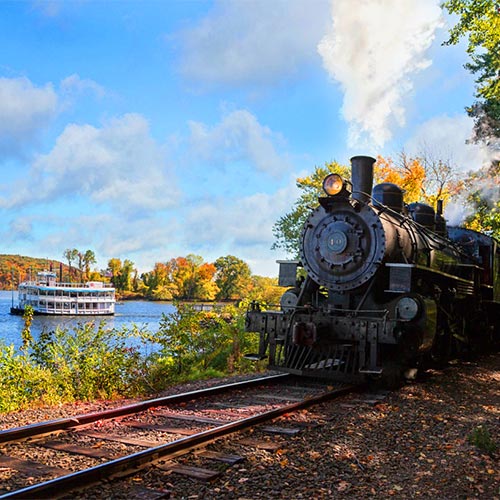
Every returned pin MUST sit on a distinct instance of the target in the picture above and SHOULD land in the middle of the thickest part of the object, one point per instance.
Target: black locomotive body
(387, 287)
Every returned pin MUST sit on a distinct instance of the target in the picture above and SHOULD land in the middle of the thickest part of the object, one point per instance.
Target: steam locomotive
(381, 288)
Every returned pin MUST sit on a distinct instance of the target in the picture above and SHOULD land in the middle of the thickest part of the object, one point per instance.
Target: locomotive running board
(367, 371)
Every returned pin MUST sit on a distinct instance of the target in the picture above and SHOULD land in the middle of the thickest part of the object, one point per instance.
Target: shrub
(64, 365)
(197, 341)
(22, 382)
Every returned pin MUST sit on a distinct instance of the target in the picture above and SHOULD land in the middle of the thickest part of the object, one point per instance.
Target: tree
(483, 187)
(206, 287)
(288, 229)
(159, 283)
(121, 273)
(407, 173)
(114, 267)
(265, 290)
(232, 277)
(70, 254)
(424, 178)
(480, 21)
(88, 260)
(189, 273)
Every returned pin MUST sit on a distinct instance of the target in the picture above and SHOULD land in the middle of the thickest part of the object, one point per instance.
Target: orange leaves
(424, 179)
(410, 176)
(315, 455)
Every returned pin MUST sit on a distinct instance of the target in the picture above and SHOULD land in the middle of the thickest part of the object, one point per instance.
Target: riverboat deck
(46, 296)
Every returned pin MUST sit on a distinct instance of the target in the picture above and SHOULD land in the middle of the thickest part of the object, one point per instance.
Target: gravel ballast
(430, 439)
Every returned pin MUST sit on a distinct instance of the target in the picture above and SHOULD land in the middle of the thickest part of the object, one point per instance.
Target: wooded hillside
(16, 268)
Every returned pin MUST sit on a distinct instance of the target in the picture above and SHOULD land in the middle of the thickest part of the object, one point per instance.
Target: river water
(144, 314)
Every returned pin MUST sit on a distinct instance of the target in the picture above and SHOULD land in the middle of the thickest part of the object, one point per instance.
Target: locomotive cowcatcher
(381, 287)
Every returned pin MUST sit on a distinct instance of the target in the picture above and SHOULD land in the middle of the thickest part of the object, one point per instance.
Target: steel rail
(132, 463)
(61, 424)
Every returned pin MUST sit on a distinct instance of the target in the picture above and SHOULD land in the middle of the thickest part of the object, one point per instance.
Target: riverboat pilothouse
(48, 296)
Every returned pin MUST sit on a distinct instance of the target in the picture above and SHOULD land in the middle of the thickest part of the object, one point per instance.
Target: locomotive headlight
(333, 184)
(407, 308)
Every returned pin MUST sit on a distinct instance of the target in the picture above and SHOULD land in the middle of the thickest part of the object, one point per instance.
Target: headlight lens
(408, 308)
(333, 184)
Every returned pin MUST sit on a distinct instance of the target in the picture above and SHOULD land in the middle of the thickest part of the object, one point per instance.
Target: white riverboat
(48, 296)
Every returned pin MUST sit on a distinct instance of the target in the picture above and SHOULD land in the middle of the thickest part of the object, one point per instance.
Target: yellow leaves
(315, 455)
(423, 179)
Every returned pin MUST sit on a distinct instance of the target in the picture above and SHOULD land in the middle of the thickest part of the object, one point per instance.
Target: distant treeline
(182, 278)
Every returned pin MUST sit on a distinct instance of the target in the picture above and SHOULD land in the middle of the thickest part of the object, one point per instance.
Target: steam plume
(372, 50)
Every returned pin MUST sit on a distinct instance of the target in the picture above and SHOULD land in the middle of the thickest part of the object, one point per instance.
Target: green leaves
(197, 341)
(479, 20)
(288, 229)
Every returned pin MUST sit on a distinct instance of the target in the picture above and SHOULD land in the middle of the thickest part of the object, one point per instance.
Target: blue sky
(152, 129)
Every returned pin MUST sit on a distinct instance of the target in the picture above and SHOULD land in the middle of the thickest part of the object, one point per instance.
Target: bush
(90, 362)
(198, 341)
(22, 382)
(64, 365)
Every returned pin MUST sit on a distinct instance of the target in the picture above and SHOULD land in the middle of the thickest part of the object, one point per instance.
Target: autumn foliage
(423, 179)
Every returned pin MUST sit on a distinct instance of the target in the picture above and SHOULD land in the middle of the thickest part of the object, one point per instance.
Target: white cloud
(253, 42)
(244, 224)
(73, 84)
(240, 227)
(239, 137)
(372, 50)
(118, 164)
(25, 110)
(445, 137)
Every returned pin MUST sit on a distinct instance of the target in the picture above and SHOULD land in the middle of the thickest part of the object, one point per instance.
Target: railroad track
(51, 459)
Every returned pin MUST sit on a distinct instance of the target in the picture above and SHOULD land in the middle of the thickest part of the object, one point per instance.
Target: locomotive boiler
(381, 287)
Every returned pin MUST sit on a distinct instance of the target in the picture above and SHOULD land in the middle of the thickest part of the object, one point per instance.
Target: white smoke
(457, 210)
(372, 50)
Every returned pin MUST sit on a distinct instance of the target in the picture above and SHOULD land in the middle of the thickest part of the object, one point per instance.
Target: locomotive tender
(387, 288)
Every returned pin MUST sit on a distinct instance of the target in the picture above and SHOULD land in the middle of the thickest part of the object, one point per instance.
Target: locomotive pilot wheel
(342, 249)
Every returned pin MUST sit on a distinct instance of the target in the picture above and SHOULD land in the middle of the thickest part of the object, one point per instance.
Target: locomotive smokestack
(439, 209)
(362, 177)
